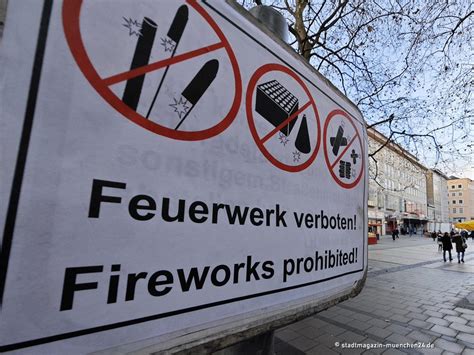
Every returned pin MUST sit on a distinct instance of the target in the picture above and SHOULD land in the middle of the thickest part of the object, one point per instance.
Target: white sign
(167, 168)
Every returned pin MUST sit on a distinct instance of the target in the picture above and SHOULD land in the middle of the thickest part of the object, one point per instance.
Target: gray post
(273, 20)
(262, 344)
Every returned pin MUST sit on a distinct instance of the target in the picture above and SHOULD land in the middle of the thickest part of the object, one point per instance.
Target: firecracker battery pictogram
(275, 103)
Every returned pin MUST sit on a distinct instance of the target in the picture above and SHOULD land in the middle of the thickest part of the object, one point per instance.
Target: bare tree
(407, 64)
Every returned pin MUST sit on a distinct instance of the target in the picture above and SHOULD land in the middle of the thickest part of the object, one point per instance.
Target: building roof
(381, 138)
(439, 172)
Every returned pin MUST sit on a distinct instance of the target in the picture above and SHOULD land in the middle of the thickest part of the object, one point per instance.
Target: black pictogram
(345, 169)
(275, 103)
(198, 86)
(339, 140)
(354, 156)
(171, 44)
(195, 89)
(302, 142)
(141, 57)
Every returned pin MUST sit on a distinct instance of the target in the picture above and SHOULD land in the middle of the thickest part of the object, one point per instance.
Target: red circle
(331, 115)
(249, 103)
(71, 13)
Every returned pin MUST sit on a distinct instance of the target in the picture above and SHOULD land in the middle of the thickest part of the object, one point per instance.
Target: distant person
(433, 236)
(394, 234)
(452, 232)
(397, 233)
(472, 235)
(447, 246)
(440, 241)
(464, 234)
(461, 246)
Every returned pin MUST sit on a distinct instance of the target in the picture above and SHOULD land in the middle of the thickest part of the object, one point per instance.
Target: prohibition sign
(340, 144)
(71, 12)
(307, 109)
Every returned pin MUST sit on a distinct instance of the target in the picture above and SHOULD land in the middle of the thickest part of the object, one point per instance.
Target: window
(453, 194)
(459, 193)
(454, 210)
(461, 210)
(452, 186)
(454, 202)
(459, 186)
(460, 201)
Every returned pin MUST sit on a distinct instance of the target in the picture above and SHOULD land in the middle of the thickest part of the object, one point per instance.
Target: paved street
(411, 297)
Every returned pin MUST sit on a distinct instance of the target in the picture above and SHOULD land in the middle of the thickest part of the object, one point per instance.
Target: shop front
(376, 226)
(413, 224)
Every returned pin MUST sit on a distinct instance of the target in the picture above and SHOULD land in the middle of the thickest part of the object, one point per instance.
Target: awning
(469, 225)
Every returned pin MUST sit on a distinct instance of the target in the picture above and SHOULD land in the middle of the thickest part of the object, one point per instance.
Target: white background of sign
(77, 136)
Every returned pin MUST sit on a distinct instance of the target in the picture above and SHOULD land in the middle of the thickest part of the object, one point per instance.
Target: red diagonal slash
(284, 123)
(345, 150)
(117, 78)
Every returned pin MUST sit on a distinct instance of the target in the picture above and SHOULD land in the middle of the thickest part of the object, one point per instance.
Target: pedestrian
(447, 246)
(433, 236)
(393, 234)
(472, 235)
(440, 241)
(461, 246)
(452, 232)
(397, 233)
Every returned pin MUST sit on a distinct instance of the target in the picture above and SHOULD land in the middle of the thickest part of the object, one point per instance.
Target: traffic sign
(116, 235)
(343, 149)
(283, 117)
(151, 97)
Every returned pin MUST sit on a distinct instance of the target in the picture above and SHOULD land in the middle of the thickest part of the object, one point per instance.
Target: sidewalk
(410, 297)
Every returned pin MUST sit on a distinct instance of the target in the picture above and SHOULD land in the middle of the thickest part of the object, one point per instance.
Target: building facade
(460, 199)
(437, 201)
(397, 188)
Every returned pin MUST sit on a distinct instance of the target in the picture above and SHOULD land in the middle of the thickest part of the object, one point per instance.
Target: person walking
(472, 235)
(440, 241)
(461, 246)
(447, 246)
(394, 234)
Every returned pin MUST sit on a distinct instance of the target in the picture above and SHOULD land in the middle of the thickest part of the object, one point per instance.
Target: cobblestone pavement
(410, 297)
